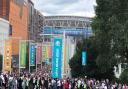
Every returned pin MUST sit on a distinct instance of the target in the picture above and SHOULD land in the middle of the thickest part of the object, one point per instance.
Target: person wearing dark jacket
(31, 85)
(46, 83)
(20, 83)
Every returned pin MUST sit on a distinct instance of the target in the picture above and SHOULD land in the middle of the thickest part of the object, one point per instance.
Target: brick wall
(19, 24)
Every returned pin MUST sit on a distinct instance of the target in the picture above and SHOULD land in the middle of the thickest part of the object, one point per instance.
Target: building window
(10, 30)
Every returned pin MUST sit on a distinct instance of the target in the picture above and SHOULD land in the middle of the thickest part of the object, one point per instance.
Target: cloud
(66, 7)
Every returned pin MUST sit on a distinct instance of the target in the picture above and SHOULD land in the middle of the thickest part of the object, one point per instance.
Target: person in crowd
(14, 83)
(20, 82)
(54, 84)
(24, 83)
(58, 84)
(31, 84)
(1, 81)
(66, 85)
(46, 83)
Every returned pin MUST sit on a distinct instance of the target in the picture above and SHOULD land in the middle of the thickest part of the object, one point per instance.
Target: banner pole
(29, 58)
(11, 56)
(63, 54)
(36, 57)
(41, 56)
(19, 54)
(3, 55)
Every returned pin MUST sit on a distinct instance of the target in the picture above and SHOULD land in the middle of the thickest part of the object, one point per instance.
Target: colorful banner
(65, 58)
(43, 53)
(32, 54)
(70, 32)
(38, 54)
(22, 54)
(57, 58)
(7, 56)
(84, 58)
(49, 52)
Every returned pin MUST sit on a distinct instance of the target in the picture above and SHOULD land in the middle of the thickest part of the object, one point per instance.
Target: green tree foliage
(124, 76)
(91, 69)
(110, 27)
(111, 31)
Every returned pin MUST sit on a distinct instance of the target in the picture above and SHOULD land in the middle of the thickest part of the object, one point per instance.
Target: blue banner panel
(70, 32)
(32, 51)
(84, 58)
(57, 58)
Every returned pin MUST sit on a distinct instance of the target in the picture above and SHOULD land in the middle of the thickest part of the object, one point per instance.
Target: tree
(110, 28)
(111, 36)
(91, 69)
(124, 76)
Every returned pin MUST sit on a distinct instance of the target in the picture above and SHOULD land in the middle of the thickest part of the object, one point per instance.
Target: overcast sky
(66, 7)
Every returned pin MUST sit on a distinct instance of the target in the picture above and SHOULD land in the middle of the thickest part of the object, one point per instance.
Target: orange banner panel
(49, 52)
(7, 56)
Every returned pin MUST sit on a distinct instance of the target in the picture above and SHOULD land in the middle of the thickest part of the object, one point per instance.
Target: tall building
(30, 19)
(18, 18)
(16, 12)
(38, 20)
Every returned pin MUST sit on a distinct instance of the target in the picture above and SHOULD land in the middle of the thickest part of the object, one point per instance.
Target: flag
(83, 58)
(43, 53)
(7, 56)
(65, 58)
(32, 54)
(57, 58)
(22, 54)
(49, 52)
(38, 54)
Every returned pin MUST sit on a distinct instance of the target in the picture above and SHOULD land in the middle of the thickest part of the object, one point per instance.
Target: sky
(66, 7)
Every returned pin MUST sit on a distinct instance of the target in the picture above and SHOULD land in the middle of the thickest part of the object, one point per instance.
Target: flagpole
(63, 55)
(29, 59)
(36, 57)
(41, 56)
(19, 54)
(3, 54)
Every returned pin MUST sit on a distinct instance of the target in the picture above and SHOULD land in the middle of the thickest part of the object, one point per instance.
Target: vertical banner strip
(48, 52)
(43, 53)
(22, 54)
(65, 61)
(7, 55)
(84, 58)
(32, 52)
(57, 58)
(39, 54)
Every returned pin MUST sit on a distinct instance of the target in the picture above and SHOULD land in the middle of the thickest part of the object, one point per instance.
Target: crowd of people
(39, 81)
(42, 80)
